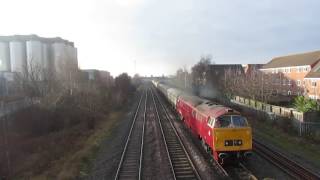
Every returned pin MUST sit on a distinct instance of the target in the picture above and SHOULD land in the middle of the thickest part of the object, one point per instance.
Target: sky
(156, 37)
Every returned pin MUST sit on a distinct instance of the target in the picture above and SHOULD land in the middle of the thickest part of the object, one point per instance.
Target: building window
(284, 92)
(274, 92)
(287, 70)
(289, 82)
(306, 69)
(299, 83)
(284, 82)
(289, 93)
(300, 69)
(314, 83)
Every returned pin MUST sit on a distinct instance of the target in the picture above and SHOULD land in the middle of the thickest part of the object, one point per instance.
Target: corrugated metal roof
(302, 59)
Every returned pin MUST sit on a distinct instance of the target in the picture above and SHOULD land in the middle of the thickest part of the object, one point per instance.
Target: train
(224, 132)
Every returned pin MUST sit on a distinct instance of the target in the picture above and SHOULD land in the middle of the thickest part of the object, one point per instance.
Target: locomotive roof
(214, 110)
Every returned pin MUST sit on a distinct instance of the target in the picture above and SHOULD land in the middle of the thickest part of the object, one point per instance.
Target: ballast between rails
(129, 138)
(176, 157)
(290, 167)
(163, 137)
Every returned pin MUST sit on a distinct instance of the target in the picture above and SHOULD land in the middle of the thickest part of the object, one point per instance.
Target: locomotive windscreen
(229, 121)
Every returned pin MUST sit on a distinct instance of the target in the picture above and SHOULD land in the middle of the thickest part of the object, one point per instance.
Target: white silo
(45, 56)
(18, 56)
(34, 53)
(72, 55)
(34, 59)
(59, 56)
(5, 57)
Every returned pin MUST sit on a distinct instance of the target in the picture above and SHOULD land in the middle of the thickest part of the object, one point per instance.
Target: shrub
(305, 104)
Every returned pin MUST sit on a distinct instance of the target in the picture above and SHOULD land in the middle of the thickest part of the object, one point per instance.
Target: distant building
(293, 72)
(25, 53)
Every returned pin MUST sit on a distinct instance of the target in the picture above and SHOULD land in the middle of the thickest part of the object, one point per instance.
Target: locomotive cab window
(230, 121)
(239, 121)
(222, 121)
(211, 122)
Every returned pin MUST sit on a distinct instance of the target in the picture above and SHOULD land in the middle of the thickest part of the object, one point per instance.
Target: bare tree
(255, 85)
(198, 72)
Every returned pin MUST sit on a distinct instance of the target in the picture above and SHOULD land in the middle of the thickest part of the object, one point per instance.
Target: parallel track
(181, 165)
(290, 167)
(131, 159)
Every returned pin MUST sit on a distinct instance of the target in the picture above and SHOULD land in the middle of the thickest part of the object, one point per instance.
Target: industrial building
(25, 53)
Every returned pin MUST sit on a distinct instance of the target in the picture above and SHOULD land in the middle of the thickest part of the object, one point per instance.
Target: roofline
(294, 54)
(311, 78)
(284, 67)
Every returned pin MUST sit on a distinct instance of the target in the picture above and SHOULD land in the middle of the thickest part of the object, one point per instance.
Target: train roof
(175, 91)
(162, 85)
(215, 110)
(192, 100)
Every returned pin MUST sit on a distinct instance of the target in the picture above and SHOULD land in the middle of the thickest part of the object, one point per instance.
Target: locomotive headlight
(239, 142)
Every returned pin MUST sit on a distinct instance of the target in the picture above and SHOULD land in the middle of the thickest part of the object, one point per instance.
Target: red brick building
(295, 74)
(312, 83)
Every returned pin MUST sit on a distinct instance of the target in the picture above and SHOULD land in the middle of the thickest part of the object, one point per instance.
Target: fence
(309, 128)
(305, 123)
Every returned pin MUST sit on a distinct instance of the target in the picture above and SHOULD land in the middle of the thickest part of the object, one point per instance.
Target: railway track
(131, 159)
(182, 166)
(287, 165)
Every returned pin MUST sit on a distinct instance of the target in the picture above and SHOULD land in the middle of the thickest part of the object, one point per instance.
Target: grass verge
(76, 164)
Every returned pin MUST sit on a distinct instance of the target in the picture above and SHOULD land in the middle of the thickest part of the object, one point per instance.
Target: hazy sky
(163, 35)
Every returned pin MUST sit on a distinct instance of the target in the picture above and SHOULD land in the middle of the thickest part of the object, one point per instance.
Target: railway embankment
(59, 137)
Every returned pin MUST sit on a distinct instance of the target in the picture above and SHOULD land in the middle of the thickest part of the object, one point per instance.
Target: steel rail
(129, 137)
(142, 140)
(287, 165)
(164, 138)
(179, 155)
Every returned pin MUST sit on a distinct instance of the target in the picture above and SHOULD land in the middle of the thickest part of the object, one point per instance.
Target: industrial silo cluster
(23, 53)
